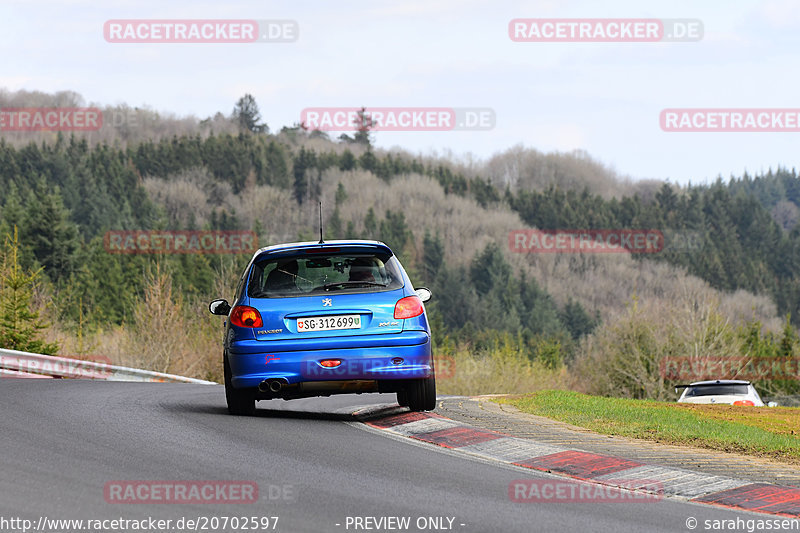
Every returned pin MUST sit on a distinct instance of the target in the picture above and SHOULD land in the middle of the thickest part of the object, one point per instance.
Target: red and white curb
(605, 469)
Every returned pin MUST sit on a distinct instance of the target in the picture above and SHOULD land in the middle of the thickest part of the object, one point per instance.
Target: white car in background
(721, 391)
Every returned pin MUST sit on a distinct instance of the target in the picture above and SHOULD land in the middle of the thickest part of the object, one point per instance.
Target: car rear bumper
(721, 400)
(405, 355)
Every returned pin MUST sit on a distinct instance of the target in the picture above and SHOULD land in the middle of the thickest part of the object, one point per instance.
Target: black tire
(241, 402)
(402, 398)
(421, 394)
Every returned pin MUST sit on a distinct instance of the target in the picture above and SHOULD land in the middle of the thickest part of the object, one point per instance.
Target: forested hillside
(448, 220)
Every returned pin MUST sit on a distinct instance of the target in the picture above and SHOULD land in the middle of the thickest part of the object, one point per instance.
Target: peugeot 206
(316, 319)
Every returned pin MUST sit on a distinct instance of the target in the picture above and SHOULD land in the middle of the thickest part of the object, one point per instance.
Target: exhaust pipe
(272, 385)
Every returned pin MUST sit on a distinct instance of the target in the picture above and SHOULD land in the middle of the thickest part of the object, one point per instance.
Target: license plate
(327, 323)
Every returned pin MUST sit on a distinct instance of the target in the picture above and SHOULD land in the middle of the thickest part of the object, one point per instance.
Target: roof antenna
(320, 223)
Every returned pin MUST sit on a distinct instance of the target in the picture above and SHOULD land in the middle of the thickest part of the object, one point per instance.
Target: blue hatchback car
(315, 319)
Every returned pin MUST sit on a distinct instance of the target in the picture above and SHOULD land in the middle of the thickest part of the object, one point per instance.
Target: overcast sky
(604, 98)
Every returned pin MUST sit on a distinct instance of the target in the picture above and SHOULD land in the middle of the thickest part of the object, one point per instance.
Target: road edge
(607, 470)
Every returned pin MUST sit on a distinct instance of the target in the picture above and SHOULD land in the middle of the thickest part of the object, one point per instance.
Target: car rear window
(322, 273)
(713, 390)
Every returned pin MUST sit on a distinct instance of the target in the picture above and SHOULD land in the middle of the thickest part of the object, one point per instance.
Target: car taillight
(245, 316)
(744, 402)
(408, 307)
(330, 363)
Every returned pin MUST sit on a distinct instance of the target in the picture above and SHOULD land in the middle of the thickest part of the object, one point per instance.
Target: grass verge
(772, 432)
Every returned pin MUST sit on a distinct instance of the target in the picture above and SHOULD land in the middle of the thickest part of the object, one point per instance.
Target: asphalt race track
(64, 440)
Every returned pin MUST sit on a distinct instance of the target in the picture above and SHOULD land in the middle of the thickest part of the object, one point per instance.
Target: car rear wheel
(402, 398)
(240, 401)
(421, 395)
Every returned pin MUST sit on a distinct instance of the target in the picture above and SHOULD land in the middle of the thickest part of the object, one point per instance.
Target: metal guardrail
(4, 373)
(786, 400)
(30, 365)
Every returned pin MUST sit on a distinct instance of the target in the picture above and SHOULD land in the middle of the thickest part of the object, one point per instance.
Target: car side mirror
(219, 307)
(424, 294)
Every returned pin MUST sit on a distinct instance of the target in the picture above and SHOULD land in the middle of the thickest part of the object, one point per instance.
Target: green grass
(759, 431)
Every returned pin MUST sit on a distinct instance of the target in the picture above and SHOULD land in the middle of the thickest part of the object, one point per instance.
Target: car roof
(292, 246)
(720, 382)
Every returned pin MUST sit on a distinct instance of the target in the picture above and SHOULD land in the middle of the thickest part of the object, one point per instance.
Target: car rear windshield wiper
(329, 286)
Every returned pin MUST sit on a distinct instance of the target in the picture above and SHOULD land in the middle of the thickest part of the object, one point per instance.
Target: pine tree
(247, 115)
(276, 170)
(13, 213)
(577, 321)
(789, 339)
(341, 194)
(335, 227)
(347, 161)
(394, 231)
(258, 229)
(350, 232)
(363, 123)
(20, 326)
(368, 161)
(432, 255)
(489, 269)
(370, 224)
(300, 179)
(52, 237)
